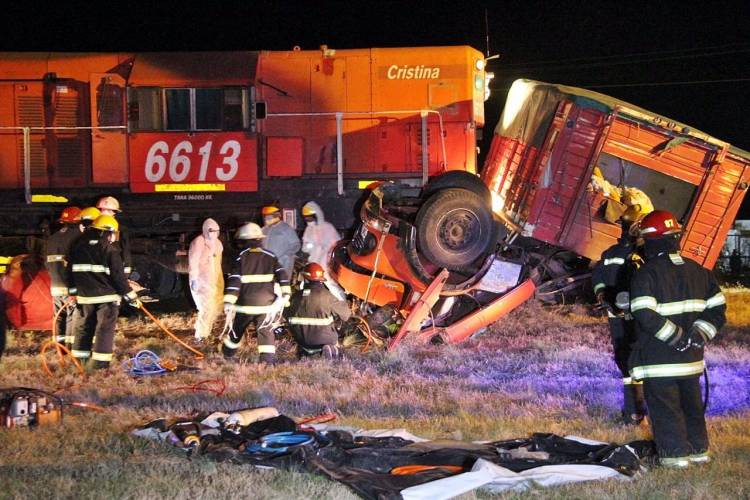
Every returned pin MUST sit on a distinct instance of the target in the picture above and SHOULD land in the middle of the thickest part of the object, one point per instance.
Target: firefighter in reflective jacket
(611, 277)
(311, 315)
(250, 295)
(678, 307)
(58, 249)
(95, 277)
(108, 205)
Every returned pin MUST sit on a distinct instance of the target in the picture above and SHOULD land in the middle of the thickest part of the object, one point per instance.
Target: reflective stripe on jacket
(669, 295)
(311, 315)
(250, 285)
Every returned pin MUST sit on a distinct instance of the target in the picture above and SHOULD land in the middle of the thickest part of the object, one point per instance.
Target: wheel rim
(459, 229)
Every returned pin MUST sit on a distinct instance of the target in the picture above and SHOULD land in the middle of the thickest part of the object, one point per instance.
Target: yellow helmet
(270, 210)
(106, 223)
(108, 203)
(90, 213)
(307, 211)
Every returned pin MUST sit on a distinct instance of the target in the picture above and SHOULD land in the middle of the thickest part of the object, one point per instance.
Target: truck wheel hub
(458, 229)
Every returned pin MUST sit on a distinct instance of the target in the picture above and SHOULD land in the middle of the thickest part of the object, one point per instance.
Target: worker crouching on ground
(250, 294)
(611, 277)
(311, 315)
(280, 239)
(58, 248)
(678, 307)
(206, 278)
(96, 279)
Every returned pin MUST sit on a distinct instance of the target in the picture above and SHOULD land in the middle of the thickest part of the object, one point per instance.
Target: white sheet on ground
(495, 479)
(402, 433)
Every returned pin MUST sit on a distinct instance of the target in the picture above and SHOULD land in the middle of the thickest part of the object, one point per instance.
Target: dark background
(689, 62)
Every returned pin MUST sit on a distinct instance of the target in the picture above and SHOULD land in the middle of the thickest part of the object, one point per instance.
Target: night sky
(687, 62)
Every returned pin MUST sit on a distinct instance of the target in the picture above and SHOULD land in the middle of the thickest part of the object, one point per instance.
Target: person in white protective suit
(318, 240)
(206, 279)
(281, 240)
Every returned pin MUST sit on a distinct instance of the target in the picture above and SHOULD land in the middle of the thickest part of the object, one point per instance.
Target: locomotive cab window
(189, 109)
(666, 192)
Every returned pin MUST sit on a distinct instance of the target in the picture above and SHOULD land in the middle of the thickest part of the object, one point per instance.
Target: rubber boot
(633, 407)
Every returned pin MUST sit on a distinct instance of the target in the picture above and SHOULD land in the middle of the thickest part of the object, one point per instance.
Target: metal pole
(340, 152)
(425, 148)
(27, 164)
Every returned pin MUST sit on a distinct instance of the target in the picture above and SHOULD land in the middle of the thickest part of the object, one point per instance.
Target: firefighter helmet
(308, 211)
(90, 214)
(659, 223)
(249, 231)
(105, 223)
(70, 215)
(108, 203)
(314, 272)
(270, 210)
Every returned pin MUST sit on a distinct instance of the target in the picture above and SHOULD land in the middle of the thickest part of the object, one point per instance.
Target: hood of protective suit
(318, 211)
(209, 224)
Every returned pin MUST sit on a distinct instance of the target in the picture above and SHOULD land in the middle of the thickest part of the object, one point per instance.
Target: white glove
(135, 303)
(228, 308)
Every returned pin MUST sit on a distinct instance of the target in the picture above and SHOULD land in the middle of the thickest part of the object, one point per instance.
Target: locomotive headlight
(479, 64)
(478, 82)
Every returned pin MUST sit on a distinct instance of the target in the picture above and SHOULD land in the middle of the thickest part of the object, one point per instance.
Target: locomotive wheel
(454, 228)
(457, 179)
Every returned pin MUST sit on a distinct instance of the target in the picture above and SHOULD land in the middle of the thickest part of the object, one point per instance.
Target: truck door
(108, 145)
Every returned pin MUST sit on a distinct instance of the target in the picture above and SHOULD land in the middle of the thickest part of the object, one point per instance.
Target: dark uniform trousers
(94, 325)
(676, 411)
(266, 339)
(623, 336)
(64, 321)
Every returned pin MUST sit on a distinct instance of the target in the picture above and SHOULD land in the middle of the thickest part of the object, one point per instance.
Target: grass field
(540, 369)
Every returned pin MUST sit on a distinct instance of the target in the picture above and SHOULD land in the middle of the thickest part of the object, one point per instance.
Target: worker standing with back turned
(611, 277)
(95, 277)
(250, 294)
(58, 249)
(678, 307)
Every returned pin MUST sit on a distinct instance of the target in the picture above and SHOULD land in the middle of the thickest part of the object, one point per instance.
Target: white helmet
(249, 231)
(108, 203)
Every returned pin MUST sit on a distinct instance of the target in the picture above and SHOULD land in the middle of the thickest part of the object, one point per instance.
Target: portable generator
(25, 407)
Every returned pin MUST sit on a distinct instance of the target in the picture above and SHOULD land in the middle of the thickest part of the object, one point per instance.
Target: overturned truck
(445, 261)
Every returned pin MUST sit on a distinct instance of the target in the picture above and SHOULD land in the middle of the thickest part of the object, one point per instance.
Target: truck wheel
(457, 179)
(454, 228)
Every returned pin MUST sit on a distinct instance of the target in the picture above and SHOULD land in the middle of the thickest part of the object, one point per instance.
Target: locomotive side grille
(38, 156)
(66, 111)
(69, 157)
(30, 111)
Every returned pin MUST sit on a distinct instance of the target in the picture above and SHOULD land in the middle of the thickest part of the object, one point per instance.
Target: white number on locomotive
(179, 161)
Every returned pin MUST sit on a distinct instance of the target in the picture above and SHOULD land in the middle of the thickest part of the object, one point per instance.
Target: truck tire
(455, 227)
(457, 179)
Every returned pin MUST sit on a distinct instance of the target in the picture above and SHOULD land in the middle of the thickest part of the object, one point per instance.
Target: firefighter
(58, 249)
(89, 215)
(206, 279)
(250, 294)
(611, 278)
(318, 241)
(678, 307)
(108, 205)
(95, 277)
(281, 240)
(311, 315)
